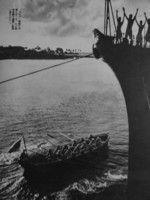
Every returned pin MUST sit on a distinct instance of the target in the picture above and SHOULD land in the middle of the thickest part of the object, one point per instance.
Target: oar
(51, 141)
(66, 136)
(37, 148)
(39, 145)
(30, 149)
(51, 136)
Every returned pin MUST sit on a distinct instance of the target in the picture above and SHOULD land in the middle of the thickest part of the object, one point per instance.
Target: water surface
(77, 99)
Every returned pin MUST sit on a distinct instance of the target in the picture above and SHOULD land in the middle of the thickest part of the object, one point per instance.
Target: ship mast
(107, 19)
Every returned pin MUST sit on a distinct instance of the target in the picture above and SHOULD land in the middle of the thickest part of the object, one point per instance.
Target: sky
(60, 23)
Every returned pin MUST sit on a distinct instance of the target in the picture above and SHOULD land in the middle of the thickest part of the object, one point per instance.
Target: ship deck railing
(131, 43)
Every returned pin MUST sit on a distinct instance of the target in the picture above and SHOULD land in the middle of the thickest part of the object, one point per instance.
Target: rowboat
(40, 164)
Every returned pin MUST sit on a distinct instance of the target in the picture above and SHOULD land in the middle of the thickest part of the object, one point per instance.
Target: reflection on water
(79, 98)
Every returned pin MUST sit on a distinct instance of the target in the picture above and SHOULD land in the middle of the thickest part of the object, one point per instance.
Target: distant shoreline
(35, 58)
(46, 58)
(22, 53)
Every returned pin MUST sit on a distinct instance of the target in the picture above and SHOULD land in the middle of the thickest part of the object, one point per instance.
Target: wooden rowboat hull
(55, 169)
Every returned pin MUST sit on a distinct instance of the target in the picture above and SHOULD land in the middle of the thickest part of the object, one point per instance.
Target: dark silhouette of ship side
(131, 65)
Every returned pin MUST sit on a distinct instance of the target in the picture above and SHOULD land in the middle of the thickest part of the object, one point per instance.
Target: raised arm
(123, 18)
(145, 17)
(117, 14)
(144, 23)
(136, 13)
(125, 13)
(137, 22)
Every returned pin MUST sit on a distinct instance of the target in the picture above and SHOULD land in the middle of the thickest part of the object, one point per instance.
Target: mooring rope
(46, 68)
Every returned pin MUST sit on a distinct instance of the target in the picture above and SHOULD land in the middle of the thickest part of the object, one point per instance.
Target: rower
(77, 148)
(87, 141)
(98, 141)
(50, 154)
(92, 140)
(57, 152)
(64, 148)
(74, 143)
(67, 153)
(91, 136)
(53, 156)
(92, 143)
(84, 146)
(57, 149)
(81, 140)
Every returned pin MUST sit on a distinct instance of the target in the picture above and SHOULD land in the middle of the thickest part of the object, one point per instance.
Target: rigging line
(40, 70)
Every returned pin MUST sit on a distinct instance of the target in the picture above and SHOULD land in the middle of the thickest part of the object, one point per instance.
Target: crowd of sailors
(128, 34)
(75, 148)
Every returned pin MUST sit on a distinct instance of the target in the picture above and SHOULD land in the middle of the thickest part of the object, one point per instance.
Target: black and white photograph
(74, 100)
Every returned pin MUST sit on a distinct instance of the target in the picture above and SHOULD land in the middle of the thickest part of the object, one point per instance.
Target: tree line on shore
(19, 52)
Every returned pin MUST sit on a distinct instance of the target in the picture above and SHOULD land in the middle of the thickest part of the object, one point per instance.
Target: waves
(76, 101)
(18, 188)
(109, 175)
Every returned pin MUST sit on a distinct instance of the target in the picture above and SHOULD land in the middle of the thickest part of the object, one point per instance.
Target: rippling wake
(106, 181)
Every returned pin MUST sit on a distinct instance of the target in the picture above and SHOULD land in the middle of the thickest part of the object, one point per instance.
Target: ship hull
(131, 66)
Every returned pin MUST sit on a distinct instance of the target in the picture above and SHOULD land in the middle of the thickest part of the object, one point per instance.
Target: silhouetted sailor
(139, 37)
(119, 25)
(130, 24)
(147, 37)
